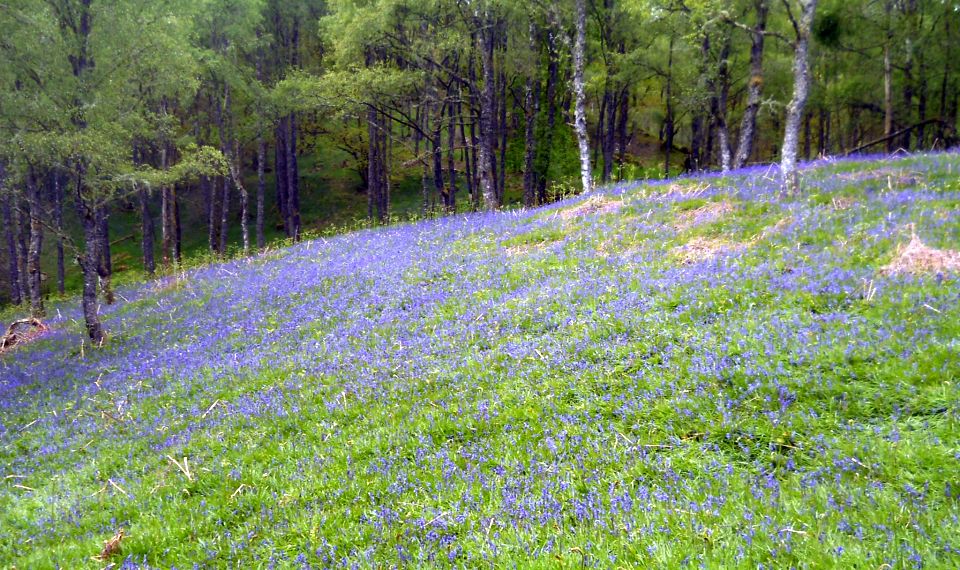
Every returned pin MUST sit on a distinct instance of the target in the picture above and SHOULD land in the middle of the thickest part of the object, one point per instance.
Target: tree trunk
(9, 234)
(668, 127)
(748, 124)
(293, 174)
(801, 89)
(487, 117)
(56, 180)
(468, 155)
(22, 221)
(36, 242)
(500, 165)
(104, 261)
(88, 261)
(224, 216)
(723, 95)
(531, 101)
(622, 119)
(887, 97)
(906, 140)
(545, 151)
(436, 142)
(451, 164)
(580, 113)
(280, 173)
(261, 188)
(146, 228)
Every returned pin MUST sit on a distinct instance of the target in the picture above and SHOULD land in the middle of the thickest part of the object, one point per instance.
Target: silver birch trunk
(487, 112)
(801, 90)
(579, 112)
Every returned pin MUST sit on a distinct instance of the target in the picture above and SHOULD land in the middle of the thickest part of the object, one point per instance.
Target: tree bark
(668, 126)
(723, 96)
(9, 234)
(531, 101)
(801, 89)
(451, 164)
(146, 228)
(280, 173)
(56, 180)
(487, 116)
(104, 261)
(545, 150)
(36, 242)
(580, 114)
(293, 174)
(22, 220)
(87, 259)
(748, 124)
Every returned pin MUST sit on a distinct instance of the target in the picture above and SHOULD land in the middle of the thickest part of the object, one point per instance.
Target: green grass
(518, 391)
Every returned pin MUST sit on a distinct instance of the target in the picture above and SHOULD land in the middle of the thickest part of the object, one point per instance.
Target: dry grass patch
(917, 258)
(702, 249)
(704, 214)
(685, 190)
(592, 205)
(894, 177)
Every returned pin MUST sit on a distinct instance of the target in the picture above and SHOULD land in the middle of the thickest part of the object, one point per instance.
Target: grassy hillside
(700, 372)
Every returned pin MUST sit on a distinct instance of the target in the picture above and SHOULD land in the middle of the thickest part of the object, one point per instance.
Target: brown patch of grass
(704, 214)
(702, 249)
(523, 249)
(842, 202)
(918, 258)
(894, 177)
(592, 205)
(686, 190)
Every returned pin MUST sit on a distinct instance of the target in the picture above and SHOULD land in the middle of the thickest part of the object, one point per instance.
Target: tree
(579, 46)
(802, 27)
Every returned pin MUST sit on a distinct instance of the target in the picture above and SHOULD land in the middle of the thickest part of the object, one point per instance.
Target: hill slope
(695, 371)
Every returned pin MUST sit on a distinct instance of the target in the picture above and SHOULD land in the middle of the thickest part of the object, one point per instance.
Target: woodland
(222, 123)
(479, 284)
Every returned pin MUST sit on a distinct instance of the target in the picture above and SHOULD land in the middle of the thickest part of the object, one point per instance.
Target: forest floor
(698, 372)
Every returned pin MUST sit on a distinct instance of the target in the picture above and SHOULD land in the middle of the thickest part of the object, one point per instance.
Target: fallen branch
(21, 331)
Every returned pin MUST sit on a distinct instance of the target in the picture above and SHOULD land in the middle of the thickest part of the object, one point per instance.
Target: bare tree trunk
(146, 228)
(500, 165)
(104, 262)
(177, 229)
(451, 164)
(723, 95)
(88, 264)
(9, 231)
(293, 182)
(668, 121)
(22, 220)
(56, 181)
(545, 151)
(280, 173)
(468, 157)
(580, 113)
(801, 89)
(748, 124)
(36, 241)
(487, 117)
(531, 102)
(261, 189)
(623, 118)
(888, 82)
(224, 216)
(436, 141)
(87, 260)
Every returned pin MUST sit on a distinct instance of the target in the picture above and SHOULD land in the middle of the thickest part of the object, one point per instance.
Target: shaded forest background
(139, 135)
